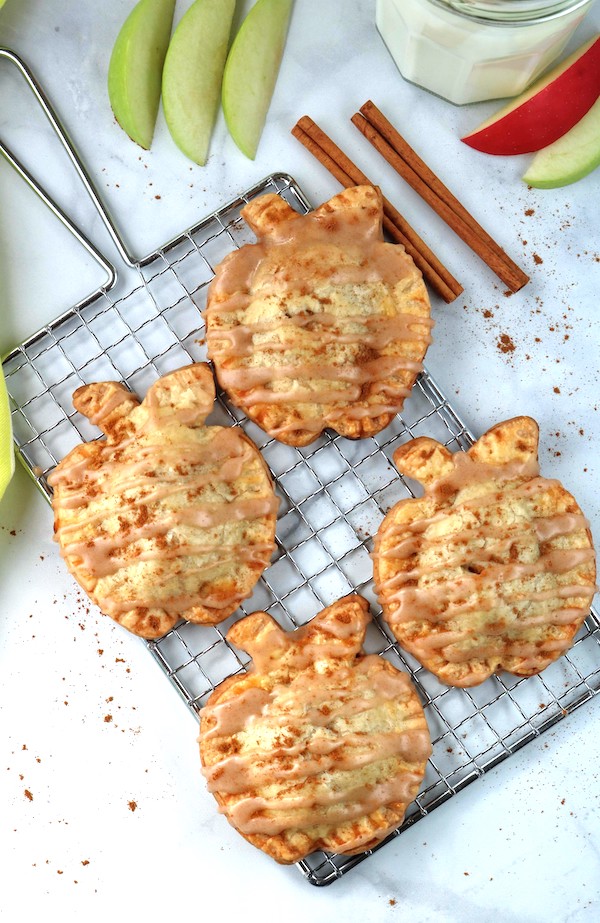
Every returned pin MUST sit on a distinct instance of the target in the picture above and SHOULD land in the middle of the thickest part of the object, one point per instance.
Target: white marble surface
(104, 812)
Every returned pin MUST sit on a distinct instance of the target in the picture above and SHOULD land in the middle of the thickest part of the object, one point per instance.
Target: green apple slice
(193, 72)
(134, 72)
(7, 456)
(571, 157)
(251, 71)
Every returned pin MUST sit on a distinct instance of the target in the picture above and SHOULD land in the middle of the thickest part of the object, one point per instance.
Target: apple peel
(547, 110)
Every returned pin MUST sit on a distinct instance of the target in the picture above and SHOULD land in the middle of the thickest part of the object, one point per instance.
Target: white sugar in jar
(470, 50)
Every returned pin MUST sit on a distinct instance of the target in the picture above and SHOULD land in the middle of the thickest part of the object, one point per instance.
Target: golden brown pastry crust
(319, 746)
(167, 518)
(493, 568)
(320, 324)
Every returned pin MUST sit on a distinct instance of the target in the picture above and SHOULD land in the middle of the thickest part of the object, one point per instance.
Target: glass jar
(470, 50)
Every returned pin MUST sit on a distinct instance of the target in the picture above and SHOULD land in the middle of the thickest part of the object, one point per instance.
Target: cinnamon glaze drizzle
(469, 567)
(176, 502)
(269, 334)
(299, 749)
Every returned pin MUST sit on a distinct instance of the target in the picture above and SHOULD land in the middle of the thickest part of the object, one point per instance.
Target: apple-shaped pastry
(135, 68)
(251, 71)
(493, 568)
(192, 74)
(321, 323)
(571, 157)
(547, 110)
(318, 746)
(166, 519)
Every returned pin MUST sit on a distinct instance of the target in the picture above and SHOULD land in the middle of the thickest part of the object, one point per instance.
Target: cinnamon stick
(348, 174)
(401, 156)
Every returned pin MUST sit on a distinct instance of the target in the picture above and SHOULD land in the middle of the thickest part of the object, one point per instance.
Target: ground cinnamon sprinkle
(28, 795)
(505, 344)
(537, 259)
(132, 805)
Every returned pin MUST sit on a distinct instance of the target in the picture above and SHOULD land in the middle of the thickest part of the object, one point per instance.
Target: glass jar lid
(506, 11)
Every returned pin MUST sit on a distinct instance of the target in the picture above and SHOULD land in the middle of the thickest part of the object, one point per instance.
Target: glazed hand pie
(320, 324)
(493, 568)
(319, 746)
(167, 518)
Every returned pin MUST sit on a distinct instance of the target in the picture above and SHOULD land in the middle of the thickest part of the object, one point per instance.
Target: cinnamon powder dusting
(505, 343)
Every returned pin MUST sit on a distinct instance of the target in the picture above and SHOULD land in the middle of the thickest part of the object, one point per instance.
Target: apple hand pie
(493, 568)
(167, 518)
(318, 746)
(321, 324)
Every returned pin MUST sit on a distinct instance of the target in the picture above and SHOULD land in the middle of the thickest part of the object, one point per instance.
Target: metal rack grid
(334, 493)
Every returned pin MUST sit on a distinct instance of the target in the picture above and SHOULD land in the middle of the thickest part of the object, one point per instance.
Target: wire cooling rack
(334, 494)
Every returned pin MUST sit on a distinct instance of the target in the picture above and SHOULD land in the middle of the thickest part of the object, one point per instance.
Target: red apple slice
(547, 110)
